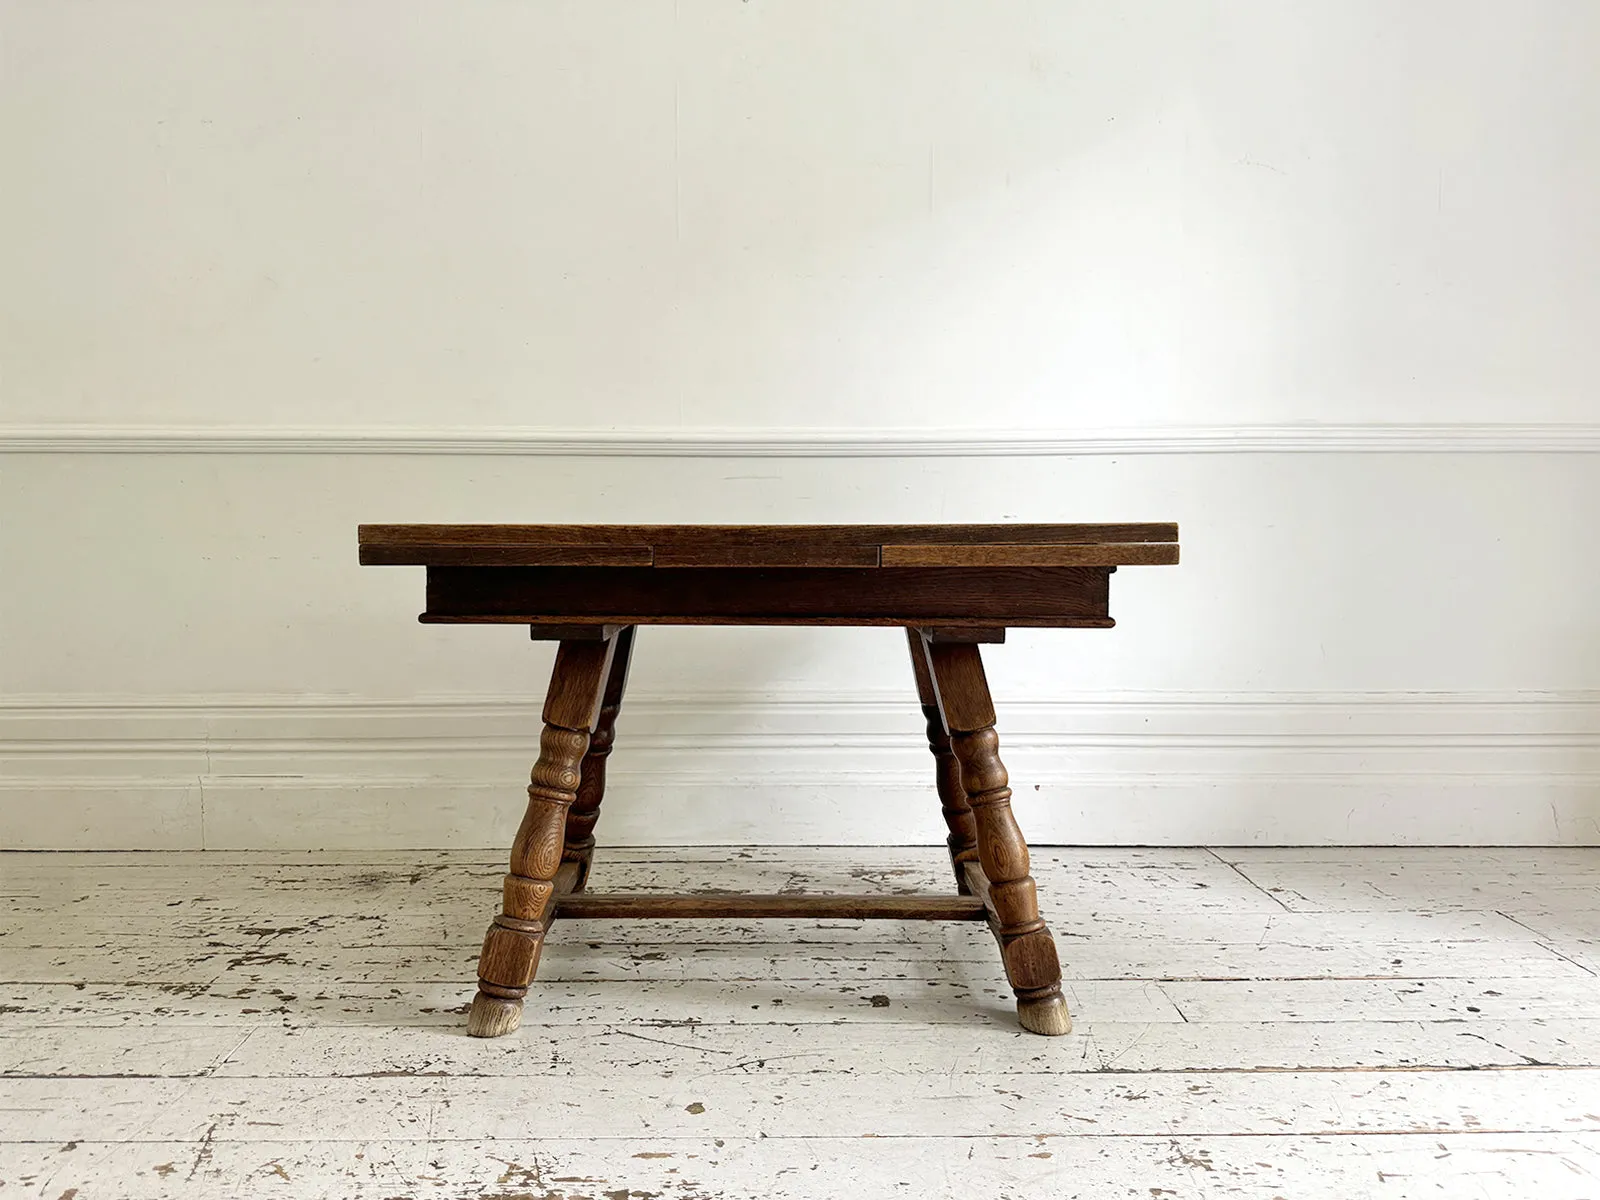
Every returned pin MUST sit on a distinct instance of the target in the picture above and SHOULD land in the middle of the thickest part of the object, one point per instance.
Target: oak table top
(588, 587)
(934, 575)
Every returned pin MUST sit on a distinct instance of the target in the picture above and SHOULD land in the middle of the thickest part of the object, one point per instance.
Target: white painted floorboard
(1303, 1024)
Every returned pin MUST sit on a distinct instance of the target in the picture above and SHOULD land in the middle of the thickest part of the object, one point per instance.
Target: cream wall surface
(1316, 280)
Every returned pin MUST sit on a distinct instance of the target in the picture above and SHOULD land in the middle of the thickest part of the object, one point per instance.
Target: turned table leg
(585, 811)
(963, 839)
(1001, 873)
(511, 947)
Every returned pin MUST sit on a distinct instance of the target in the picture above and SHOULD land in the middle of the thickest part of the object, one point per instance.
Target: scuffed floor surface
(1303, 1024)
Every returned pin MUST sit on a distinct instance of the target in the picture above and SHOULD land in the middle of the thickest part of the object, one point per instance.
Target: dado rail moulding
(1554, 438)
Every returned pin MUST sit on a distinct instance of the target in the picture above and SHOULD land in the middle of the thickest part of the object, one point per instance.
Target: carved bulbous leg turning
(1002, 870)
(1026, 947)
(511, 948)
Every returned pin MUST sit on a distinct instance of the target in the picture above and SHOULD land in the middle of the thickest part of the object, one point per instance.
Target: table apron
(994, 596)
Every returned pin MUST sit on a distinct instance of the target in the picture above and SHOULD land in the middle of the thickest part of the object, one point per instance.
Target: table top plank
(992, 554)
(509, 554)
(753, 545)
(766, 554)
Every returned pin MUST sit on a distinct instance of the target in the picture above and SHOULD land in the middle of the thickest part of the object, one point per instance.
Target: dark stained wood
(491, 554)
(600, 906)
(960, 687)
(970, 633)
(963, 838)
(574, 633)
(566, 880)
(767, 554)
(578, 848)
(951, 586)
(955, 626)
(963, 554)
(717, 544)
(1063, 596)
(510, 955)
(573, 701)
(1001, 875)
(1154, 531)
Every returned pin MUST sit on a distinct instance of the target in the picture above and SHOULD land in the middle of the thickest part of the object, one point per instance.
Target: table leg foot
(493, 1016)
(1047, 1015)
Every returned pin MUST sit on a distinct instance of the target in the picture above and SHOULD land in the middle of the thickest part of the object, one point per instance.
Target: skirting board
(309, 814)
(1152, 769)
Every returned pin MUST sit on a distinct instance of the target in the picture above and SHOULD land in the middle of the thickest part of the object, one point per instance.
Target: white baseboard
(1159, 768)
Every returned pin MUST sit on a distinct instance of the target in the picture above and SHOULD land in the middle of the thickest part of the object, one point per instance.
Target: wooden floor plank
(1470, 861)
(715, 1103)
(1385, 1167)
(1385, 1000)
(302, 891)
(959, 956)
(1576, 924)
(1374, 886)
(667, 1003)
(353, 1051)
(876, 999)
(166, 1051)
(460, 922)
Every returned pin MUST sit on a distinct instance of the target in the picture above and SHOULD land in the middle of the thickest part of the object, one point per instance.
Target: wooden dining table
(952, 588)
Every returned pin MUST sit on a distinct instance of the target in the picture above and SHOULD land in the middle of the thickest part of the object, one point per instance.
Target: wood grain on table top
(995, 545)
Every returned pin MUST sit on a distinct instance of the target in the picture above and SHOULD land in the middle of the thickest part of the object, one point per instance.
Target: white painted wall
(1316, 280)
